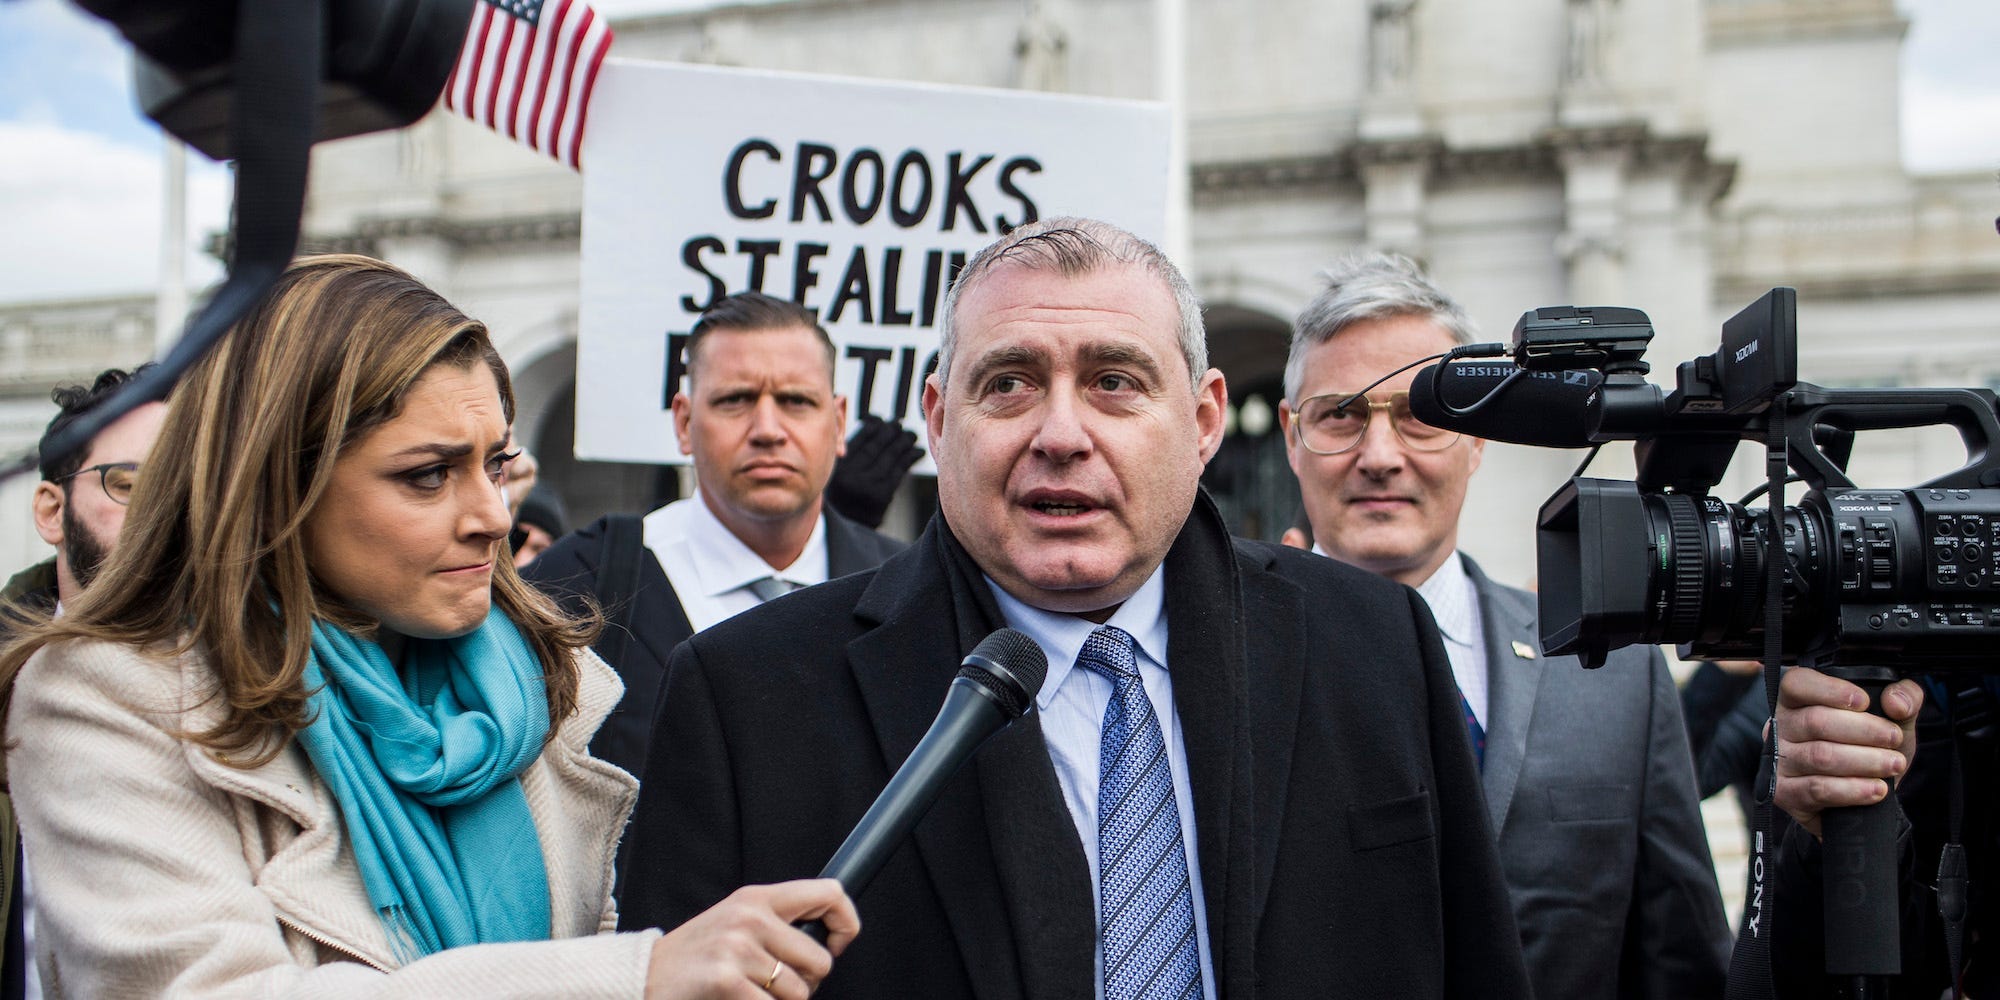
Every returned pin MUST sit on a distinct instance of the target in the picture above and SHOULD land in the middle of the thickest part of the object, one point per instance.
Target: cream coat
(161, 871)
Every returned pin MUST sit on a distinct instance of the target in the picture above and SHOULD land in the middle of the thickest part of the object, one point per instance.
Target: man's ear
(683, 411)
(1211, 411)
(933, 410)
(1285, 418)
(840, 426)
(48, 509)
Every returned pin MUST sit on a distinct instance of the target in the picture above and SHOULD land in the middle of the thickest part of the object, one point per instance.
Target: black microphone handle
(1858, 869)
(969, 717)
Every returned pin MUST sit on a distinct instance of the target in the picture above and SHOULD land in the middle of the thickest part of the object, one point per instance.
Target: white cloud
(83, 214)
(1949, 128)
(1951, 85)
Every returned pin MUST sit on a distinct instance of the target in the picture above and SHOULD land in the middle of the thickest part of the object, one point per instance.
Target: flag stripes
(527, 69)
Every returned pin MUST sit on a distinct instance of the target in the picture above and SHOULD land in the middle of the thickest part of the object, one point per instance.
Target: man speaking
(1246, 774)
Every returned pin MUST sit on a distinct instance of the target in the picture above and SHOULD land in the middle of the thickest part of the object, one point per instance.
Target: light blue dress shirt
(1072, 704)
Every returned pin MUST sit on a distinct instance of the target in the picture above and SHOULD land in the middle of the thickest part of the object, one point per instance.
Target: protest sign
(857, 199)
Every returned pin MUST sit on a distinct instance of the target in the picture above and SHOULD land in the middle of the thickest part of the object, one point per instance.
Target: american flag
(526, 71)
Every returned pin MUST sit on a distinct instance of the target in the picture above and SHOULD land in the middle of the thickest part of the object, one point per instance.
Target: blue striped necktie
(1145, 900)
(1474, 730)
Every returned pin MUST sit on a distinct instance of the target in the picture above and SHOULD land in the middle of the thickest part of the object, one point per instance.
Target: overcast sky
(80, 168)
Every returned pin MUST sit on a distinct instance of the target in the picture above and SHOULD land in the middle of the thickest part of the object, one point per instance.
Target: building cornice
(1885, 284)
(1539, 157)
(369, 234)
(1765, 22)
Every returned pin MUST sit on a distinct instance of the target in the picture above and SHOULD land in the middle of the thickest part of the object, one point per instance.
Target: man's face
(762, 422)
(1068, 442)
(1380, 505)
(77, 516)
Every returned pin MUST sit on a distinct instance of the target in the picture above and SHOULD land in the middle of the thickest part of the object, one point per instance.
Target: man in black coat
(762, 423)
(1311, 813)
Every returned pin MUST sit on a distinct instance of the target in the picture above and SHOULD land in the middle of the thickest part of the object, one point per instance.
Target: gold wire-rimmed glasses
(1327, 427)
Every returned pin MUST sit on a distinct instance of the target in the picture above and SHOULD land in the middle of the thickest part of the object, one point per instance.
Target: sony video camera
(1906, 578)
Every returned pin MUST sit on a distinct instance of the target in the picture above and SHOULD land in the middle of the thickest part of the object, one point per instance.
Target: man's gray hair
(1074, 247)
(1369, 286)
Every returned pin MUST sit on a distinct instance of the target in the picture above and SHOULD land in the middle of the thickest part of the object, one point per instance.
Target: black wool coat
(1342, 841)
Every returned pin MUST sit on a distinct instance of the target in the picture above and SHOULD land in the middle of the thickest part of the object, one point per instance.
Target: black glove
(878, 456)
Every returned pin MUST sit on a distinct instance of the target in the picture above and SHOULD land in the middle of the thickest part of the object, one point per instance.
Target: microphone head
(1010, 667)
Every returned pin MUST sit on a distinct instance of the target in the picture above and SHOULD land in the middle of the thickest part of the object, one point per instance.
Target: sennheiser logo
(1745, 351)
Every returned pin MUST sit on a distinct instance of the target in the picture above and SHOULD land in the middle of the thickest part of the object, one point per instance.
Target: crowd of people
(318, 694)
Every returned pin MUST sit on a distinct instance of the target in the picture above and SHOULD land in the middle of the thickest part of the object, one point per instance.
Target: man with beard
(80, 503)
(79, 507)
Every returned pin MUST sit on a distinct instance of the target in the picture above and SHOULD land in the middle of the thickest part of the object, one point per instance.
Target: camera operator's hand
(1832, 752)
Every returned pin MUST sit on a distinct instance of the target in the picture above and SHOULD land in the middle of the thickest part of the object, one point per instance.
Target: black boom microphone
(1500, 402)
(996, 684)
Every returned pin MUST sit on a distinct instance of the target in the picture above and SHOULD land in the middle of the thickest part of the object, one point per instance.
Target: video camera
(1906, 578)
(1865, 583)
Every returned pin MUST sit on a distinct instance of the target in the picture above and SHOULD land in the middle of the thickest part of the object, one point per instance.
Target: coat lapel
(1268, 699)
(999, 845)
(1513, 682)
(658, 621)
(845, 552)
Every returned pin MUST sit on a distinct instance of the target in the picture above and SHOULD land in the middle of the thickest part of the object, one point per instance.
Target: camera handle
(1858, 873)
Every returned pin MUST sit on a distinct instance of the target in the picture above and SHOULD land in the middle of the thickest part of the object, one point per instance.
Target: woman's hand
(746, 946)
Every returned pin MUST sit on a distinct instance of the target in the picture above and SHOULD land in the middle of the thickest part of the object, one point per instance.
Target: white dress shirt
(1454, 603)
(711, 569)
(1072, 704)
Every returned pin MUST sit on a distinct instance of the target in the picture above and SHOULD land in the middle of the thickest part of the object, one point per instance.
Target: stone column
(1589, 63)
(1595, 166)
(1394, 179)
(1389, 111)
(1041, 50)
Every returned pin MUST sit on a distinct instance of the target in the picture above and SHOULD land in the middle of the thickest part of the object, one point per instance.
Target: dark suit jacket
(568, 571)
(1589, 782)
(1342, 846)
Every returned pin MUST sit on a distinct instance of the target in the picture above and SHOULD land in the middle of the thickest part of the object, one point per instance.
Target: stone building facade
(1676, 157)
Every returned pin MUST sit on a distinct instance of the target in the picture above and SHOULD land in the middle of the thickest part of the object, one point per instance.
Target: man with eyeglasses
(1588, 780)
(79, 508)
(80, 503)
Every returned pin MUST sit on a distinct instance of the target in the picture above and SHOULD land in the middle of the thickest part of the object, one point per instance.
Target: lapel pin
(1523, 650)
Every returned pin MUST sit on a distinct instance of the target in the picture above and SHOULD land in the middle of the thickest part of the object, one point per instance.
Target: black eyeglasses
(117, 479)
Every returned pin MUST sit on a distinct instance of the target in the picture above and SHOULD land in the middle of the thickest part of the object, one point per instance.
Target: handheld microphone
(1545, 409)
(996, 684)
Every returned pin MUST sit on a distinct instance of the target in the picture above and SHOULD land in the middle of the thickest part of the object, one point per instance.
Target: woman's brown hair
(212, 555)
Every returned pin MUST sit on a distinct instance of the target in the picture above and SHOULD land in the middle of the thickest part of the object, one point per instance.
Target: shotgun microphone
(1500, 402)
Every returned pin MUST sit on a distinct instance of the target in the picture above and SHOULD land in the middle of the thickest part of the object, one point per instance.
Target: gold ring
(772, 979)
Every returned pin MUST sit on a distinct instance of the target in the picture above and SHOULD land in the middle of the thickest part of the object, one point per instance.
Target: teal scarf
(425, 768)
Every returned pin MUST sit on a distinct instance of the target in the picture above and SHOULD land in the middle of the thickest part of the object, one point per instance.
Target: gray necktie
(770, 587)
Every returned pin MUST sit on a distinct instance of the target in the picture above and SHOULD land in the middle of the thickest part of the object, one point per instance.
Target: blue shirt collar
(1061, 636)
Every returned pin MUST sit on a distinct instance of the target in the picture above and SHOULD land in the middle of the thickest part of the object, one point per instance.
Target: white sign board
(858, 199)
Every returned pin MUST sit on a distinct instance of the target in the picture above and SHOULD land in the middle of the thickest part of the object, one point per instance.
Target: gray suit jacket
(1590, 786)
